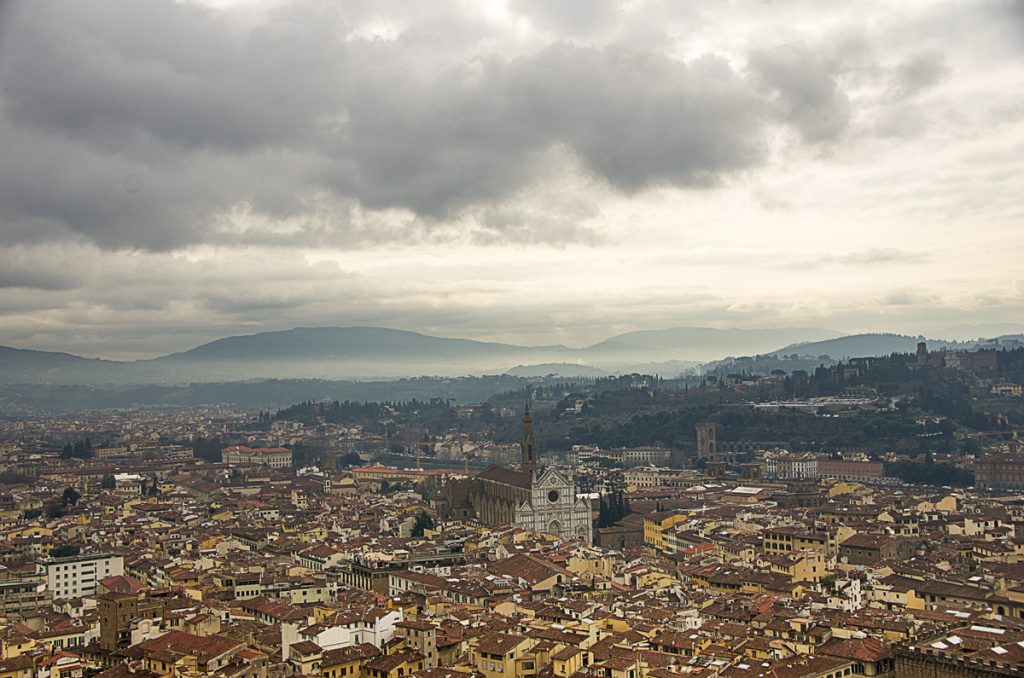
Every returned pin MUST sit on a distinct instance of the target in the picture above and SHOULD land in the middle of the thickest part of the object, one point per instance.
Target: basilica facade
(536, 500)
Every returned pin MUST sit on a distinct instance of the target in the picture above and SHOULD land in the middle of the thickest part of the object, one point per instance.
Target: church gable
(552, 478)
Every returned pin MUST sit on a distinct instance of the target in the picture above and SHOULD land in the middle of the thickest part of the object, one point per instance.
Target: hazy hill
(702, 343)
(864, 346)
(867, 345)
(339, 352)
(307, 352)
(972, 332)
(18, 365)
(556, 369)
(380, 353)
(334, 343)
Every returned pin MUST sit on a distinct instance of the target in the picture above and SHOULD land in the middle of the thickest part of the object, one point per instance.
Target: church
(536, 500)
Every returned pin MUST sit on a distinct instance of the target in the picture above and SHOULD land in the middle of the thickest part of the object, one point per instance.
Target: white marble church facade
(554, 508)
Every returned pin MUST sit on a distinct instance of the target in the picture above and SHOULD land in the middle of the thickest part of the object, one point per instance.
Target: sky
(526, 171)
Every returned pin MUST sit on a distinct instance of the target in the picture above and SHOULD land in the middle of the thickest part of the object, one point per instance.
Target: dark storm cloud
(129, 76)
(478, 131)
(162, 125)
(142, 125)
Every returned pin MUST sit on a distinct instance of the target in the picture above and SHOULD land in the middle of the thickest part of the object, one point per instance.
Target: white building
(788, 466)
(78, 576)
(376, 626)
(581, 454)
(554, 508)
(274, 457)
(637, 456)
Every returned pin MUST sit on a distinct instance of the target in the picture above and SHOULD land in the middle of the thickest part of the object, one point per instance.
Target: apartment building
(274, 457)
(78, 576)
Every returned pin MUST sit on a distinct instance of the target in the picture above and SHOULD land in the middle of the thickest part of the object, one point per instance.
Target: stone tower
(707, 444)
(529, 444)
(922, 352)
(752, 471)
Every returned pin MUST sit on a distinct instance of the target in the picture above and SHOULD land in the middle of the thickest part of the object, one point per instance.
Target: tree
(423, 522)
(70, 496)
(207, 449)
(919, 473)
(64, 550)
(108, 482)
(54, 510)
(82, 449)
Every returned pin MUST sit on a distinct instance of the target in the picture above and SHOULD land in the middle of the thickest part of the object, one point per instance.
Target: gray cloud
(920, 72)
(633, 119)
(304, 118)
(570, 17)
(19, 269)
(330, 117)
(806, 94)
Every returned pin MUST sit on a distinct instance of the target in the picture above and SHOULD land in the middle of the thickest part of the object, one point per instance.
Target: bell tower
(707, 443)
(529, 444)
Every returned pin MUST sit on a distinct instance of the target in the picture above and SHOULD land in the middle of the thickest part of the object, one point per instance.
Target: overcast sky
(518, 170)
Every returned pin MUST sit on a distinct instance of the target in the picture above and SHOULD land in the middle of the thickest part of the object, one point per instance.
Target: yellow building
(346, 662)
(500, 655)
(782, 540)
(808, 566)
(568, 661)
(305, 657)
(657, 524)
(394, 665)
(29, 532)
(19, 667)
(15, 645)
(601, 566)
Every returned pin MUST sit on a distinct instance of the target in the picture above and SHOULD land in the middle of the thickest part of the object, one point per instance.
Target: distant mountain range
(809, 355)
(700, 344)
(868, 345)
(861, 345)
(379, 353)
